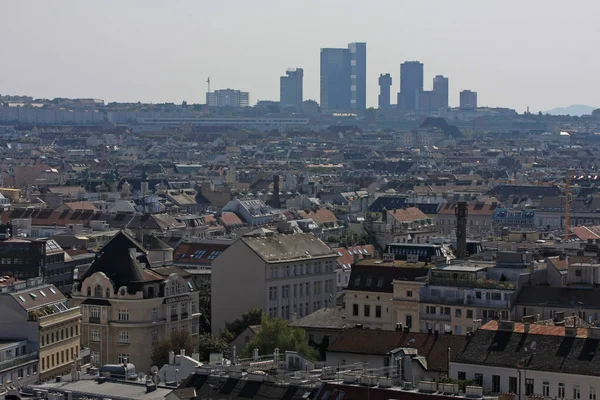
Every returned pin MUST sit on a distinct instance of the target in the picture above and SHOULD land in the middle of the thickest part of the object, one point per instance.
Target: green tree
(208, 344)
(252, 317)
(177, 341)
(276, 333)
(204, 306)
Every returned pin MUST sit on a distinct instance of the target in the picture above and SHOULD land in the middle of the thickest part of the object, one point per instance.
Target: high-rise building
(385, 84)
(411, 85)
(290, 88)
(358, 75)
(440, 87)
(468, 99)
(228, 98)
(335, 79)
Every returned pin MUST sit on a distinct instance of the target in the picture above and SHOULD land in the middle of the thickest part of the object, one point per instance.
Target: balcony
(173, 317)
(94, 320)
(4, 365)
(184, 315)
(472, 283)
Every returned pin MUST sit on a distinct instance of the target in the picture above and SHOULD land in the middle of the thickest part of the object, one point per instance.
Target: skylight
(53, 291)
(42, 293)
(22, 298)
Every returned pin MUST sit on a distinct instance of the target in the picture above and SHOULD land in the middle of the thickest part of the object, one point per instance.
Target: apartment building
(541, 361)
(40, 314)
(480, 222)
(404, 225)
(370, 295)
(18, 363)
(280, 274)
(127, 306)
(459, 297)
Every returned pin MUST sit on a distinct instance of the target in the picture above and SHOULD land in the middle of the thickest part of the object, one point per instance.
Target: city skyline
(158, 52)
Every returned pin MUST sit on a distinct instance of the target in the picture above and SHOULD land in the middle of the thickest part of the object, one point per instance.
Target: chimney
(570, 331)
(171, 358)
(406, 329)
(275, 202)
(398, 326)
(182, 352)
(436, 334)
(355, 258)
(461, 229)
(429, 331)
(526, 326)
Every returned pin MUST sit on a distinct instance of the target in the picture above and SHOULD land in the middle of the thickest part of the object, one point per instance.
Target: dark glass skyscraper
(290, 88)
(440, 88)
(411, 85)
(358, 75)
(385, 83)
(336, 80)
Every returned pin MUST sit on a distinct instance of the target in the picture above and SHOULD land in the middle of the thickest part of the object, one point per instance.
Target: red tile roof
(407, 214)
(584, 233)
(319, 216)
(558, 263)
(81, 206)
(198, 253)
(536, 329)
(347, 253)
(230, 219)
(380, 342)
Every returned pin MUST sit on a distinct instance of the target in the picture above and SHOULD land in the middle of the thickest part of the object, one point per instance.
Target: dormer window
(98, 291)
(89, 291)
(107, 293)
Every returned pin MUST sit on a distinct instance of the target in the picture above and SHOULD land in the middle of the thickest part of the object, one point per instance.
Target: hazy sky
(514, 53)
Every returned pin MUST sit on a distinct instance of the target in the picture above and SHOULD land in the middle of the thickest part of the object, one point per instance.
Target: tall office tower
(228, 98)
(385, 84)
(440, 87)
(468, 100)
(290, 88)
(411, 85)
(358, 75)
(335, 79)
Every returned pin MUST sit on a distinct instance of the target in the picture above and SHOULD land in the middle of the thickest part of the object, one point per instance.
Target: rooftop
(281, 248)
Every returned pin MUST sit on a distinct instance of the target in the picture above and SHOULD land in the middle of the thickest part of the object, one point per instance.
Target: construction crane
(568, 205)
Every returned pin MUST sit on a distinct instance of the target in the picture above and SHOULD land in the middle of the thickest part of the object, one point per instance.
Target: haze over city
(514, 54)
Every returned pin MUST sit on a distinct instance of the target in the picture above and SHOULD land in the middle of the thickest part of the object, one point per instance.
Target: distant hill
(574, 110)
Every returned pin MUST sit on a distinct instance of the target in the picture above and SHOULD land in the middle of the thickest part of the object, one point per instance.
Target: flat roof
(108, 389)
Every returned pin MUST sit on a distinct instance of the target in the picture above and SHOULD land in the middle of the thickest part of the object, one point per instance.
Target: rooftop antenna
(208, 82)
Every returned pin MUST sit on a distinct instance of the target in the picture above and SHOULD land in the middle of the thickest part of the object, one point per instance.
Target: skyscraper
(385, 83)
(411, 85)
(290, 88)
(440, 88)
(358, 75)
(336, 79)
(468, 99)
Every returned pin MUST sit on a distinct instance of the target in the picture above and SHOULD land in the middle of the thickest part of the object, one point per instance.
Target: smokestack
(275, 199)
(461, 229)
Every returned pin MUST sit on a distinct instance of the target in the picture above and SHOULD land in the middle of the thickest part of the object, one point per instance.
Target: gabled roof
(198, 253)
(320, 216)
(37, 297)
(324, 318)
(407, 214)
(543, 348)
(479, 208)
(282, 248)
(381, 342)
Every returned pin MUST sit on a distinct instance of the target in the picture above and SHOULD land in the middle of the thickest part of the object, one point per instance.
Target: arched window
(108, 292)
(89, 291)
(98, 291)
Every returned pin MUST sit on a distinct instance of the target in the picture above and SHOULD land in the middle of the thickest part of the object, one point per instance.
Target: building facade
(127, 306)
(290, 88)
(440, 87)
(336, 79)
(468, 100)
(39, 313)
(284, 275)
(411, 85)
(358, 75)
(385, 84)
(228, 98)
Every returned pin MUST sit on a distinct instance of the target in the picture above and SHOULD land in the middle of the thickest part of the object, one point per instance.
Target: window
(578, 273)
(561, 390)
(409, 293)
(42, 340)
(95, 313)
(496, 383)
(409, 321)
(576, 391)
(354, 310)
(546, 389)
(377, 311)
(108, 292)
(20, 373)
(470, 314)
(528, 387)
(95, 335)
(478, 379)
(154, 336)
(446, 310)
(154, 314)
(35, 367)
(367, 310)
(123, 358)
(98, 291)
(462, 376)
(458, 313)
(593, 393)
(478, 295)
(123, 315)
(123, 337)
(496, 296)
(512, 384)
(95, 358)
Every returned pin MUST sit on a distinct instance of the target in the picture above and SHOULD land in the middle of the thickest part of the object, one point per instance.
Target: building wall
(237, 284)
(60, 343)
(406, 304)
(584, 381)
(371, 300)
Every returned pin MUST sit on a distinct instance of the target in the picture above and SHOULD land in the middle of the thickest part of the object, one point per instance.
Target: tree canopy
(252, 317)
(177, 341)
(208, 344)
(277, 333)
